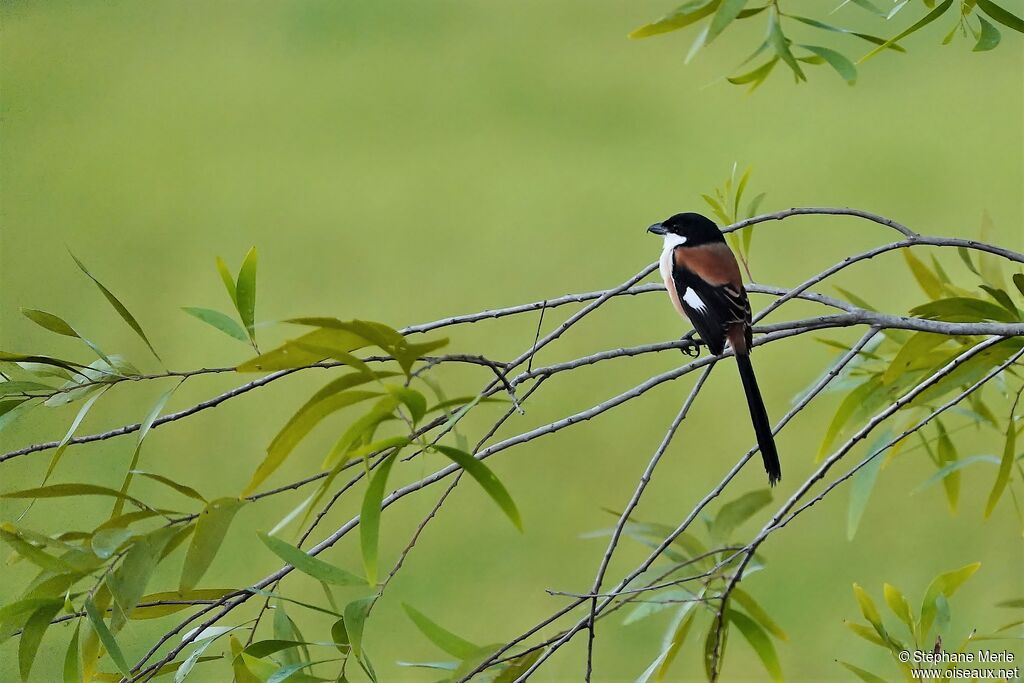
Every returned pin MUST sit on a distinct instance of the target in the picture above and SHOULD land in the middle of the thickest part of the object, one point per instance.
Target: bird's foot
(692, 349)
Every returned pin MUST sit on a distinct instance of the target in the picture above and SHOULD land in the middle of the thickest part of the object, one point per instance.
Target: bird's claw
(692, 349)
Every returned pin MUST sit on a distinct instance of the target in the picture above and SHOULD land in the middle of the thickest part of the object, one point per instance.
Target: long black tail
(759, 418)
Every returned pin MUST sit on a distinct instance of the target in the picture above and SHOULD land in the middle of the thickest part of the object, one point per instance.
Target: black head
(694, 228)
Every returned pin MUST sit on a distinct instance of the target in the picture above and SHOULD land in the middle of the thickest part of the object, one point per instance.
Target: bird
(704, 283)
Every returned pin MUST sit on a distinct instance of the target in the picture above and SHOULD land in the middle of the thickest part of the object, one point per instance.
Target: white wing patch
(693, 299)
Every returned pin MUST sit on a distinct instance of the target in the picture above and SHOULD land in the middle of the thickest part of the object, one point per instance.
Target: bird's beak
(657, 229)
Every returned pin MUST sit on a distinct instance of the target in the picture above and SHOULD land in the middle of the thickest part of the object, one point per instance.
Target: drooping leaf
(756, 76)
(65, 490)
(921, 23)
(758, 613)
(1003, 299)
(989, 37)
(118, 306)
(759, 640)
(487, 480)
(838, 29)
(56, 324)
(127, 583)
(62, 446)
(355, 622)
(360, 431)
(144, 427)
(1018, 280)
(305, 350)
(954, 466)
(332, 398)
(105, 636)
(683, 16)
(32, 636)
(735, 512)
(440, 636)
(1005, 467)
(727, 11)
(864, 483)
(369, 522)
(170, 483)
(928, 281)
(211, 528)
(72, 671)
(947, 455)
(780, 43)
(142, 611)
(307, 564)
(217, 320)
(843, 66)
(1007, 19)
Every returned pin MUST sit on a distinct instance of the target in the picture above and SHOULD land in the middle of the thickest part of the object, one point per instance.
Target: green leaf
(412, 399)
(245, 293)
(755, 77)
(928, 281)
(1001, 15)
(355, 622)
(1003, 299)
(305, 350)
(738, 511)
(779, 42)
(954, 466)
(863, 484)
(870, 612)
(676, 635)
(758, 614)
(55, 324)
(843, 66)
(1018, 280)
(157, 611)
(758, 640)
(211, 527)
(946, 585)
(185, 668)
(838, 29)
(32, 636)
(867, 633)
(1005, 467)
(166, 481)
(72, 672)
(65, 490)
(218, 320)
(105, 636)
(924, 21)
(969, 371)
(118, 306)
(369, 520)
(897, 602)
(919, 344)
(127, 583)
(228, 280)
(946, 453)
(62, 446)
(360, 430)
(439, 636)
(863, 675)
(989, 37)
(144, 428)
(727, 11)
(328, 400)
(487, 479)
(310, 565)
(683, 16)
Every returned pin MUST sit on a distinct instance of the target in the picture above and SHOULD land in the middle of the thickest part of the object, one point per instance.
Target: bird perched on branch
(703, 281)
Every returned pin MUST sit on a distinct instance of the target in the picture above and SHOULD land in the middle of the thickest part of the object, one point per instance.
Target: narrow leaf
(487, 479)
(310, 565)
(211, 528)
(217, 320)
(369, 520)
(439, 636)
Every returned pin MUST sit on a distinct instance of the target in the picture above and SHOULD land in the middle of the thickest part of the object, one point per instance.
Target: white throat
(671, 241)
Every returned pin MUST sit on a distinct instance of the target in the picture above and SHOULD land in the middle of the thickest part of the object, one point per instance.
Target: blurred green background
(405, 161)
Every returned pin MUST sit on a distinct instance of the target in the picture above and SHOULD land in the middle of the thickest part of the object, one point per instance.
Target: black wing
(712, 309)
